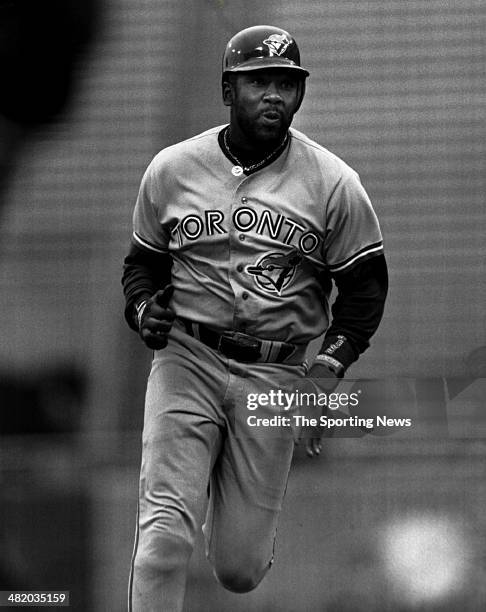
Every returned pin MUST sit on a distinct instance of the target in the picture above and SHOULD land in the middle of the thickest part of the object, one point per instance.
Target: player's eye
(288, 85)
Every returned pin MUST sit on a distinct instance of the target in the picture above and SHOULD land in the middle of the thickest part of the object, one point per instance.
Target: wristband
(340, 349)
(333, 364)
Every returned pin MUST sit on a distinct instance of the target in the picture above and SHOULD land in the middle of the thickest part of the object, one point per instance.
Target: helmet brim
(263, 63)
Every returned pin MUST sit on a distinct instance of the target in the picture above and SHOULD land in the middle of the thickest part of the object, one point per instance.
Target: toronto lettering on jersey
(279, 227)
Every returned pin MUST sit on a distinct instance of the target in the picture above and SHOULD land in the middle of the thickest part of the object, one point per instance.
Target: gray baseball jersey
(249, 252)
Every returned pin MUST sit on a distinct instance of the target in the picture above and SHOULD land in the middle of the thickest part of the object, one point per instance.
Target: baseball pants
(196, 434)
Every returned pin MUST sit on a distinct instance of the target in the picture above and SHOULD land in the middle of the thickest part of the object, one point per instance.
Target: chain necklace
(240, 168)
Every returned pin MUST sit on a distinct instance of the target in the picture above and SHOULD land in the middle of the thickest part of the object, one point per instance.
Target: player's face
(263, 103)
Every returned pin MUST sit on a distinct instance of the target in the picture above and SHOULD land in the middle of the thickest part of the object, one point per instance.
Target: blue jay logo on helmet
(277, 44)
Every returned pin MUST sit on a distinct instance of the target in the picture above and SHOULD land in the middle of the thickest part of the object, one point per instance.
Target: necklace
(239, 168)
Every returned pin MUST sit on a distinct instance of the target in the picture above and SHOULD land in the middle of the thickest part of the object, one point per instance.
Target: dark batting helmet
(261, 47)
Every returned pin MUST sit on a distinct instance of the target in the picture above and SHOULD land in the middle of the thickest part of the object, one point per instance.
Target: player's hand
(156, 319)
(323, 380)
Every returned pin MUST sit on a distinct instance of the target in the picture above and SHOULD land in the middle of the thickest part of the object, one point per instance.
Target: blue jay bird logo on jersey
(277, 44)
(274, 271)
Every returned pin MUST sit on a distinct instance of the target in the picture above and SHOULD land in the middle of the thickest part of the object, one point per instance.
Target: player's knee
(161, 553)
(241, 578)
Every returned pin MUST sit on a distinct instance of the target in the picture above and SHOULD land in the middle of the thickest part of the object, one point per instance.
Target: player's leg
(181, 439)
(240, 530)
(248, 485)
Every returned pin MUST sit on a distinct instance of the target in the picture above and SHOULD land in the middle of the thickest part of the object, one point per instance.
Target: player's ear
(228, 91)
(300, 94)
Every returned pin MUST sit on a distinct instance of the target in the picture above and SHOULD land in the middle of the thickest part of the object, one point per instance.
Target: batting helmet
(261, 47)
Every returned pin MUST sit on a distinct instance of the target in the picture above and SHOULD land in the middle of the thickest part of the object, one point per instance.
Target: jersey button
(242, 237)
(245, 295)
(240, 267)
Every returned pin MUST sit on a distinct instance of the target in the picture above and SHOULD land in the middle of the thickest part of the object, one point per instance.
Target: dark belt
(239, 346)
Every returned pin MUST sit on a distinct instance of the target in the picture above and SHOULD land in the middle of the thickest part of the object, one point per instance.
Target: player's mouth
(271, 116)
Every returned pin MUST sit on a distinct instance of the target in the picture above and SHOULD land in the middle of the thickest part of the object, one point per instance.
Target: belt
(239, 346)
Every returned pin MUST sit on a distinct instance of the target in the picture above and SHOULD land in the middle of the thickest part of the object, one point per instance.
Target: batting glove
(155, 318)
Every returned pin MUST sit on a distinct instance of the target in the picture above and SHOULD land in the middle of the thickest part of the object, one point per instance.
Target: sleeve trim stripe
(363, 250)
(147, 245)
(366, 252)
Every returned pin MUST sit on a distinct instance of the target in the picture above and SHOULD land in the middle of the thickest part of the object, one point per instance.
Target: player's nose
(272, 92)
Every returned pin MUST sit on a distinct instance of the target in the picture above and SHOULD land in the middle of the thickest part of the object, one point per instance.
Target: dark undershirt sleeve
(143, 274)
(357, 310)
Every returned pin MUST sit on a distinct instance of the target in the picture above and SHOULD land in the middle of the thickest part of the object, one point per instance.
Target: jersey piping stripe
(132, 563)
(146, 244)
(372, 249)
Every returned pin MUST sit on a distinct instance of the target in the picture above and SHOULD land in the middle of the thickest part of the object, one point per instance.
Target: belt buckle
(239, 346)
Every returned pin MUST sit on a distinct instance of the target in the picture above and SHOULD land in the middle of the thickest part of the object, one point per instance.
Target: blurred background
(91, 92)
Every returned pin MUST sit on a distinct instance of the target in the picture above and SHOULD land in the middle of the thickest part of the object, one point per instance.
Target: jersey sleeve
(149, 233)
(352, 229)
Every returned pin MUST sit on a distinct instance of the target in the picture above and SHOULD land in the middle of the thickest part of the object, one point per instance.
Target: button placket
(237, 263)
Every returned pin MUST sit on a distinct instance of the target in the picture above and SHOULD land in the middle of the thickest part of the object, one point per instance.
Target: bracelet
(140, 309)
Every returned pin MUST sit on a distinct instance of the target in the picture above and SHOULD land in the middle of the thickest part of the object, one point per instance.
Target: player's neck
(248, 151)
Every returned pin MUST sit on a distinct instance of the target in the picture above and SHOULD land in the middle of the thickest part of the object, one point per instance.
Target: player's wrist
(331, 365)
(140, 308)
(338, 352)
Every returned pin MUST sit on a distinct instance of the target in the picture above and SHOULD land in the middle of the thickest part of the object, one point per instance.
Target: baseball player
(238, 235)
